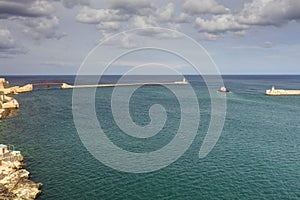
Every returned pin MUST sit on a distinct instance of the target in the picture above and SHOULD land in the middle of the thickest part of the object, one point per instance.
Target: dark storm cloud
(34, 8)
(6, 40)
(25, 8)
(8, 46)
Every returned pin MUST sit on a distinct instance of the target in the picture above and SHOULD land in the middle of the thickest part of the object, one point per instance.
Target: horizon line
(224, 74)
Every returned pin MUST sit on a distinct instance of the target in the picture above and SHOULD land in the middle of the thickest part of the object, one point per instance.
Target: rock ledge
(14, 180)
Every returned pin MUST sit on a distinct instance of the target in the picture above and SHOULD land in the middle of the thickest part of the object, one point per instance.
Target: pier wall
(282, 92)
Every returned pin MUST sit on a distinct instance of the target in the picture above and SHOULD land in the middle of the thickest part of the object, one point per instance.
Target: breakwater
(67, 86)
(281, 92)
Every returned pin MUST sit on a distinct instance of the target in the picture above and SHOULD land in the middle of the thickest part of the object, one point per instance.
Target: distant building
(3, 83)
(3, 149)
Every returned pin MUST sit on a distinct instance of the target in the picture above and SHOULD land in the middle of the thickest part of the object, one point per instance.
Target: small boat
(223, 89)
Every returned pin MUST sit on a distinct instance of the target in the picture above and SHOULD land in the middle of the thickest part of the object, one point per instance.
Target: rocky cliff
(14, 180)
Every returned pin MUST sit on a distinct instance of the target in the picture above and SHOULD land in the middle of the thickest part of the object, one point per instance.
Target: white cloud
(210, 36)
(220, 24)
(114, 18)
(127, 41)
(41, 8)
(95, 16)
(183, 18)
(168, 35)
(270, 12)
(204, 7)
(165, 14)
(240, 33)
(45, 27)
(142, 22)
(139, 22)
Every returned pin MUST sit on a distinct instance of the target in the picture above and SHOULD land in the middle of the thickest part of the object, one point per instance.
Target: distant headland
(7, 104)
(14, 180)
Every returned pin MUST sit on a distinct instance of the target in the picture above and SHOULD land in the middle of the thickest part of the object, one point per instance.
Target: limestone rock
(14, 180)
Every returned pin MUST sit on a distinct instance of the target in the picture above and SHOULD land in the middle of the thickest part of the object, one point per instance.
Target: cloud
(72, 3)
(120, 16)
(116, 17)
(159, 33)
(142, 22)
(268, 44)
(34, 17)
(12, 53)
(8, 46)
(184, 18)
(140, 37)
(204, 7)
(128, 41)
(270, 12)
(165, 14)
(6, 39)
(94, 16)
(210, 36)
(129, 5)
(59, 63)
(240, 33)
(25, 8)
(41, 28)
(220, 24)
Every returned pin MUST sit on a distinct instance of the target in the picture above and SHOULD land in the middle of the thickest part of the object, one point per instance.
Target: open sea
(257, 155)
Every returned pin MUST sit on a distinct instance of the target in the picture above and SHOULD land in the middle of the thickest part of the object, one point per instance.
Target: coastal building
(3, 149)
(3, 83)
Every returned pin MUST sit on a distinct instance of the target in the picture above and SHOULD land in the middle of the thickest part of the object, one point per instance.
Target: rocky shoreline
(14, 179)
(7, 103)
(5, 113)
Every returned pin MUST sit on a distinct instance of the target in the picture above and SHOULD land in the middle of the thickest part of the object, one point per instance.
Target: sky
(55, 37)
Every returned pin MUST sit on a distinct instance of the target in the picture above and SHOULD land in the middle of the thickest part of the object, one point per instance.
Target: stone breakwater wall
(282, 92)
(14, 179)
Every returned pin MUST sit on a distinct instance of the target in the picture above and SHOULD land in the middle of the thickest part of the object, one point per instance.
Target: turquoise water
(256, 157)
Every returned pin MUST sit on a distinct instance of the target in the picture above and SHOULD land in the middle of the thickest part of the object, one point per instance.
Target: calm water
(257, 156)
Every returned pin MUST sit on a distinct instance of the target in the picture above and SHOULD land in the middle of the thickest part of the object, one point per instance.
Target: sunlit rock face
(14, 180)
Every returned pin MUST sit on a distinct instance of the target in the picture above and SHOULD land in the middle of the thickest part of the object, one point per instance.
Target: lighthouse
(273, 88)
